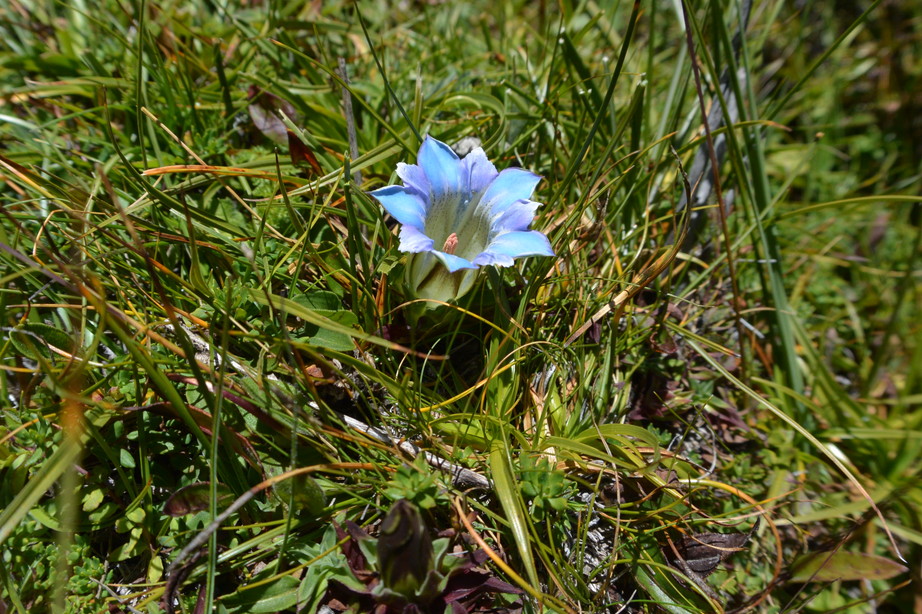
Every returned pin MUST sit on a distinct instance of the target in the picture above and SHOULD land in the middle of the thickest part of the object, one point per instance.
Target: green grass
(210, 365)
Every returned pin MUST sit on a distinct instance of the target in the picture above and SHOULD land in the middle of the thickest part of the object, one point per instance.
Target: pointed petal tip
(414, 177)
(453, 263)
(406, 205)
(479, 169)
(431, 145)
(441, 165)
(509, 187)
(508, 246)
(413, 240)
(518, 216)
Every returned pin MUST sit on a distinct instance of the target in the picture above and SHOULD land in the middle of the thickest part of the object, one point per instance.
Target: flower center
(451, 244)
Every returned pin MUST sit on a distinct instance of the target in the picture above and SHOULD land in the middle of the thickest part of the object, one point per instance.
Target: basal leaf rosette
(458, 215)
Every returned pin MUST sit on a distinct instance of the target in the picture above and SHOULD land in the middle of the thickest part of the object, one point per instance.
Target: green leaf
(195, 498)
(45, 519)
(273, 596)
(661, 583)
(53, 468)
(835, 566)
(319, 300)
(307, 494)
(332, 328)
(93, 499)
(508, 493)
(663, 590)
(33, 339)
(125, 459)
(328, 339)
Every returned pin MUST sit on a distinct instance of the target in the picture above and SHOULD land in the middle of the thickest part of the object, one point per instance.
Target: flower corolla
(460, 214)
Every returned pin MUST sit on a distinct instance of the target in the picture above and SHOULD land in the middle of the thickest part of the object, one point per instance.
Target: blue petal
(442, 167)
(491, 259)
(479, 169)
(413, 240)
(511, 185)
(404, 204)
(508, 245)
(414, 177)
(517, 217)
(453, 263)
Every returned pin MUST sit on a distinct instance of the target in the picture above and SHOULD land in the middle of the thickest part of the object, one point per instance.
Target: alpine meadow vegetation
(460, 307)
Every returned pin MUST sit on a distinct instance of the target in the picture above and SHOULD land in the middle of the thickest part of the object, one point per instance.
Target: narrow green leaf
(273, 596)
(33, 339)
(52, 469)
(508, 493)
(662, 584)
(835, 566)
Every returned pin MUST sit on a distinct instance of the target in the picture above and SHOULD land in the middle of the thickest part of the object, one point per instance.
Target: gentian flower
(458, 215)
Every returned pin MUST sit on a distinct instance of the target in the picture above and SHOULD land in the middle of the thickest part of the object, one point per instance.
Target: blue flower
(458, 215)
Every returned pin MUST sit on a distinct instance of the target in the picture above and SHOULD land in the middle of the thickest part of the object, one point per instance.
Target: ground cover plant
(442, 307)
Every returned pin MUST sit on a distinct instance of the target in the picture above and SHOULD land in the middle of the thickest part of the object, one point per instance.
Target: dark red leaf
(302, 156)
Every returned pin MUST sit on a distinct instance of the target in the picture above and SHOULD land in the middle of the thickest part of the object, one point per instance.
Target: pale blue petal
(414, 177)
(508, 245)
(453, 263)
(511, 185)
(517, 217)
(493, 259)
(442, 167)
(480, 170)
(406, 206)
(413, 240)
